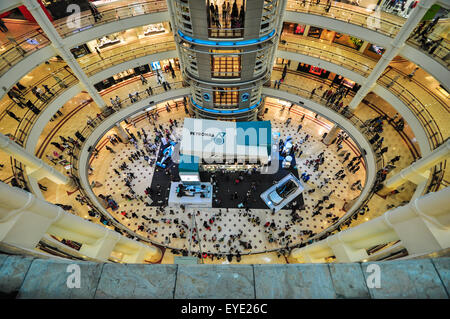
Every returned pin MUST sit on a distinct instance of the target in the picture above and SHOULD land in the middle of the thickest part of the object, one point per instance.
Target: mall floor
(232, 219)
(77, 111)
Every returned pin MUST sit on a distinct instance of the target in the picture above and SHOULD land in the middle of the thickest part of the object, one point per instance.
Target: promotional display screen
(219, 141)
(377, 49)
(156, 66)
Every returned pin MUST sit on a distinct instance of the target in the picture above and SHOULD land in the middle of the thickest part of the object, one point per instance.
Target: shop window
(315, 32)
(226, 97)
(226, 19)
(226, 66)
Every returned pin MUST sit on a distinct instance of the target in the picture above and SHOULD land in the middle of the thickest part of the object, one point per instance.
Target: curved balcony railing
(74, 159)
(23, 129)
(363, 128)
(382, 22)
(421, 112)
(440, 54)
(113, 221)
(110, 13)
(28, 118)
(16, 49)
(131, 54)
(327, 55)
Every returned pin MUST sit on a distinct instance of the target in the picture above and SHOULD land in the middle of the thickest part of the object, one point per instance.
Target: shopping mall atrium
(292, 144)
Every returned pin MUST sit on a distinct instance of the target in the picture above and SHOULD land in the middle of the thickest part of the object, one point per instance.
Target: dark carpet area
(225, 185)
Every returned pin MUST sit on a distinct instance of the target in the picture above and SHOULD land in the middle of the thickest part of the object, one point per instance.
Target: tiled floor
(234, 220)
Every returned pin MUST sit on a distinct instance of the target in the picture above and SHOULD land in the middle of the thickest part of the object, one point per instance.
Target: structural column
(332, 134)
(418, 171)
(122, 133)
(103, 248)
(395, 47)
(56, 41)
(363, 46)
(35, 167)
(305, 32)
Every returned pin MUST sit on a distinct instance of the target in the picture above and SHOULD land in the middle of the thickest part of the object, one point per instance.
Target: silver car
(283, 191)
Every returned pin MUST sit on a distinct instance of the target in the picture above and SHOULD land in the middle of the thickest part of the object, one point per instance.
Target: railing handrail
(115, 59)
(353, 66)
(339, 7)
(117, 10)
(417, 112)
(333, 44)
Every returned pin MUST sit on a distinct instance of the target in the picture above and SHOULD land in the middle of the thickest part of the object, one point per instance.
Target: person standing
(60, 82)
(393, 81)
(411, 75)
(98, 52)
(3, 27)
(47, 89)
(436, 44)
(224, 12)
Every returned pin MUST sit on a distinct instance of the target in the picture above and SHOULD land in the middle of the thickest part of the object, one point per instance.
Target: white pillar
(305, 32)
(332, 134)
(391, 52)
(419, 171)
(56, 41)
(19, 226)
(363, 46)
(103, 248)
(34, 166)
(123, 134)
(421, 226)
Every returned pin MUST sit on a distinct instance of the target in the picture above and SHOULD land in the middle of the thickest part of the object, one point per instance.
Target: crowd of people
(422, 35)
(209, 228)
(229, 17)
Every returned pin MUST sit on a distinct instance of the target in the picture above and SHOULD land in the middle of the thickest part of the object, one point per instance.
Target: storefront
(143, 69)
(127, 37)
(323, 74)
(80, 51)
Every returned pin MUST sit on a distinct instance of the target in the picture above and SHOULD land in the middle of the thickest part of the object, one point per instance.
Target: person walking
(143, 79)
(288, 121)
(11, 114)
